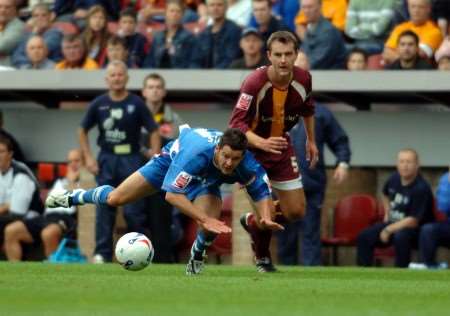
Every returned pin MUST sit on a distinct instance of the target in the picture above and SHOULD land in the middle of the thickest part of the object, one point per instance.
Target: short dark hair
(411, 34)
(128, 12)
(117, 40)
(359, 51)
(282, 37)
(154, 76)
(70, 38)
(7, 142)
(234, 138)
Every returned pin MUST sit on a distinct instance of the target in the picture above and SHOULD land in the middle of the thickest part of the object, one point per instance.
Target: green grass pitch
(47, 289)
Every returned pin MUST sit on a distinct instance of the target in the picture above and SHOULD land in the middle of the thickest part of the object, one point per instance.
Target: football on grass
(134, 251)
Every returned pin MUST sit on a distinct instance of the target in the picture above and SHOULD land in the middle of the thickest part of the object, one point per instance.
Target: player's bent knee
(13, 231)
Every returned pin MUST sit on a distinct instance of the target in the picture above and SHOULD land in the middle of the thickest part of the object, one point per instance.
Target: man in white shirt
(19, 189)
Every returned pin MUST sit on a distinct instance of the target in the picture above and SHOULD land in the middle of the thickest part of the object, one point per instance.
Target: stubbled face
(251, 44)
(282, 56)
(407, 164)
(419, 11)
(116, 77)
(216, 9)
(227, 159)
(174, 14)
(356, 62)
(5, 158)
(127, 25)
(407, 48)
(262, 12)
(154, 90)
(97, 22)
(36, 50)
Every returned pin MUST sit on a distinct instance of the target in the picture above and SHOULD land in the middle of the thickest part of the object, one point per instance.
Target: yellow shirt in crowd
(89, 64)
(429, 35)
(333, 10)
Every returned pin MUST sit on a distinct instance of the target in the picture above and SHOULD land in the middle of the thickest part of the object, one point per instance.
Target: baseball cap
(250, 31)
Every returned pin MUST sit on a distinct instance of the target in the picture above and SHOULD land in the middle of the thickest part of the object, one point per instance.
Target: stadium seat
(46, 173)
(375, 62)
(62, 170)
(352, 214)
(65, 27)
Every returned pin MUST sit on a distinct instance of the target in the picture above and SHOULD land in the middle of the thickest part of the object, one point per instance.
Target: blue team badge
(130, 108)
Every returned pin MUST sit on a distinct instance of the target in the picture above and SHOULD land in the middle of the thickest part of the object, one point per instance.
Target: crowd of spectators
(201, 34)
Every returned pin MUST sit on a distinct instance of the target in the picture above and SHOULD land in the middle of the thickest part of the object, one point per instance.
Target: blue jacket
(324, 46)
(328, 132)
(137, 47)
(183, 43)
(220, 53)
(52, 38)
(285, 10)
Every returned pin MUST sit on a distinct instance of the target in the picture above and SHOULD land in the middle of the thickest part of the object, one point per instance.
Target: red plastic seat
(352, 214)
(375, 62)
(62, 170)
(46, 173)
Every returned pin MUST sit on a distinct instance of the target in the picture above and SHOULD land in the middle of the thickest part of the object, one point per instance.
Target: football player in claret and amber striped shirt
(272, 100)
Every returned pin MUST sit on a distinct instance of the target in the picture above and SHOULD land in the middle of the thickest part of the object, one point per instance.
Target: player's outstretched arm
(264, 209)
(208, 223)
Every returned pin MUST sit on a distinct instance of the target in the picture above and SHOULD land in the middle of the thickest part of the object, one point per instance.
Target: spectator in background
(75, 54)
(332, 10)
(368, 23)
(266, 22)
(11, 30)
(154, 92)
(408, 204)
(172, 47)
(251, 45)
(17, 151)
(357, 60)
(420, 23)
(328, 132)
(116, 49)
(408, 52)
(150, 10)
(137, 43)
(37, 54)
(50, 227)
(161, 212)
(19, 189)
(218, 45)
(433, 235)
(119, 116)
(442, 55)
(239, 11)
(283, 10)
(40, 24)
(322, 42)
(96, 34)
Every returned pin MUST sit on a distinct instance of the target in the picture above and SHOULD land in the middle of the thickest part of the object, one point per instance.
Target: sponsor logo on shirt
(244, 101)
(182, 180)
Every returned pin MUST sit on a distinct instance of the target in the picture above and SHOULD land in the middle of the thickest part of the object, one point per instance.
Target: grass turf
(46, 289)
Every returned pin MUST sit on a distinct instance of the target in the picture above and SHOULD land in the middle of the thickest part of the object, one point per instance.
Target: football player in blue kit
(190, 170)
